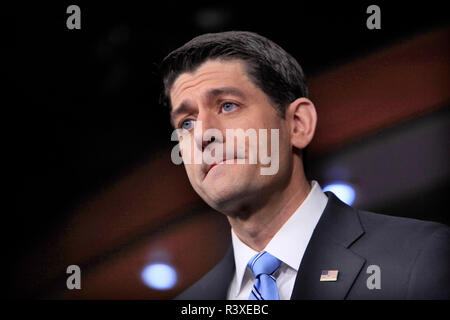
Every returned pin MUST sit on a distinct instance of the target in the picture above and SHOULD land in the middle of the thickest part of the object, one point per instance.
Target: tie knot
(263, 263)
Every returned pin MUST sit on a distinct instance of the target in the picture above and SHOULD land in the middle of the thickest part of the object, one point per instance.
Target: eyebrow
(213, 93)
(185, 107)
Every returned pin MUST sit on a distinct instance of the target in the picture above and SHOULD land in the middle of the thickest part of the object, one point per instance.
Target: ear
(302, 116)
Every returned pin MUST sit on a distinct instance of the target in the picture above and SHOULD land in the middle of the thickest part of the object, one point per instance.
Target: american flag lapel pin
(329, 275)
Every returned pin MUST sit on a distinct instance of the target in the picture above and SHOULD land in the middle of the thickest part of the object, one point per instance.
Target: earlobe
(303, 117)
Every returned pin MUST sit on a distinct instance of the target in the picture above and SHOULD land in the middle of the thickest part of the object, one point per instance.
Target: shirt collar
(242, 255)
(290, 242)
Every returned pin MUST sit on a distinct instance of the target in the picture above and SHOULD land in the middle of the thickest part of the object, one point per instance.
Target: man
(289, 239)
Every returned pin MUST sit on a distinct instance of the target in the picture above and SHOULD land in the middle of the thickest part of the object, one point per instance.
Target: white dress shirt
(288, 245)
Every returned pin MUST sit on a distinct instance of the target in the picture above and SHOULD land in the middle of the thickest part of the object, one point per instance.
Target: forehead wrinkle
(237, 68)
(183, 87)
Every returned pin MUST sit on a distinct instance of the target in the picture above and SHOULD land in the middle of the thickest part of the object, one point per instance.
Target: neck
(258, 227)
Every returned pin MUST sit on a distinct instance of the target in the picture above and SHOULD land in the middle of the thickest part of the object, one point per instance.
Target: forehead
(213, 73)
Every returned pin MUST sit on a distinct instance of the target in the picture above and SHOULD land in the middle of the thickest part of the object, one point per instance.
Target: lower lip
(215, 165)
(220, 163)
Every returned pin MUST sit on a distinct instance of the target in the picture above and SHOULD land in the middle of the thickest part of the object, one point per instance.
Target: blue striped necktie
(263, 266)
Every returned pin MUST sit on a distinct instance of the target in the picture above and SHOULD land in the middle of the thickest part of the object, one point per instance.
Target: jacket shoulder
(400, 228)
(413, 255)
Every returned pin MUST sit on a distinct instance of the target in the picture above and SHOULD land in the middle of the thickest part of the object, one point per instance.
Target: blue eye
(228, 107)
(187, 124)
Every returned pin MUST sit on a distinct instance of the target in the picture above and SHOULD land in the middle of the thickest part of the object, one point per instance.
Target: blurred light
(343, 191)
(159, 276)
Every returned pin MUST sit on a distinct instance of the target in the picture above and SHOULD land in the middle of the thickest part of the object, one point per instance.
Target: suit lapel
(213, 285)
(225, 272)
(338, 228)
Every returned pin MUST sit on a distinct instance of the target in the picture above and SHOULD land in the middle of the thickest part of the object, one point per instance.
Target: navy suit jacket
(413, 257)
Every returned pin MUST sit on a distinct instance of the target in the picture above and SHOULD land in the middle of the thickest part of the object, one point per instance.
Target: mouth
(210, 166)
(207, 167)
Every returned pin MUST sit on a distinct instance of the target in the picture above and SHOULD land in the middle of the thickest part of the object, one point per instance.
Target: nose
(207, 130)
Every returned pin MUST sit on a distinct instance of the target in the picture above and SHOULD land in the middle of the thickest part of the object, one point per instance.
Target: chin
(222, 194)
(226, 188)
(228, 198)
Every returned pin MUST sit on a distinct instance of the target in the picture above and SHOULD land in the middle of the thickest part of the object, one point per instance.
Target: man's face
(220, 95)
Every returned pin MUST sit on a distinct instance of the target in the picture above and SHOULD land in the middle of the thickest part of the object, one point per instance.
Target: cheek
(191, 171)
(187, 150)
(193, 174)
(278, 137)
(285, 146)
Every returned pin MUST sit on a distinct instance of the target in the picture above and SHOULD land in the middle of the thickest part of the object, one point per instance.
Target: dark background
(86, 109)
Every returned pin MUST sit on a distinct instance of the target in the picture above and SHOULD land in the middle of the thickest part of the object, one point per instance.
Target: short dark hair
(268, 65)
